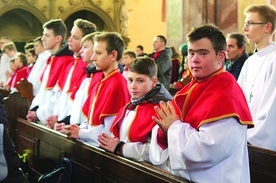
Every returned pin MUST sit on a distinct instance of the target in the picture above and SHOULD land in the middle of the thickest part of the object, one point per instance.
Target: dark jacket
(236, 66)
(9, 160)
(164, 67)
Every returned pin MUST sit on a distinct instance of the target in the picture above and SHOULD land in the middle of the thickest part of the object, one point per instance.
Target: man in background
(235, 53)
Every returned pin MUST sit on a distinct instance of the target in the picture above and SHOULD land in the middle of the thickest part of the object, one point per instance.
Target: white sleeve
(136, 150)
(157, 155)
(192, 149)
(91, 134)
(263, 134)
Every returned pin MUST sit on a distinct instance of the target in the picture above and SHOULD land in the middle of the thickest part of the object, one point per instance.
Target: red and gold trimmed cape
(142, 124)
(77, 74)
(108, 97)
(210, 100)
(57, 65)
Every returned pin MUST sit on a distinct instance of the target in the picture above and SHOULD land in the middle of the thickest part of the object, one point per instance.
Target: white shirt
(216, 153)
(258, 80)
(37, 70)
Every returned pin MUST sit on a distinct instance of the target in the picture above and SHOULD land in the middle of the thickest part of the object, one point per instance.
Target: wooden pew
(4, 93)
(16, 106)
(262, 164)
(94, 164)
(25, 88)
(90, 164)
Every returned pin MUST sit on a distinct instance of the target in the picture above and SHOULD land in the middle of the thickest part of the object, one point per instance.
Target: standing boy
(40, 63)
(202, 133)
(54, 34)
(131, 129)
(258, 75)
(73, 73)
(108, 95)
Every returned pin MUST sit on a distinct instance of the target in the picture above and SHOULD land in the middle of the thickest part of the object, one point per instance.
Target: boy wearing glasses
(258, 76)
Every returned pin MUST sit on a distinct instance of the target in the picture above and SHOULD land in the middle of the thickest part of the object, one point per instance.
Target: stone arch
(110, 25)
(21, 25)
(37, 13)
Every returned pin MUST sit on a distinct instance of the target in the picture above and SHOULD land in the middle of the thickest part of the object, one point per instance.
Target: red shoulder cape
(142, 124)
(108, 97)
(57, 65)
(78, 72)
(213, 99)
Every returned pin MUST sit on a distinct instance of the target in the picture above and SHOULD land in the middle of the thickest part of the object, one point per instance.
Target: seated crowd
(80, 91)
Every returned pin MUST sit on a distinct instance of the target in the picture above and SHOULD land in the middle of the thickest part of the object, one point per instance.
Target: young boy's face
(30, 57)
(10, 53)
(139, 84)
(74, 41)
(127, 60)
(254, 33)
(202, 58)
(87, 51)
(102, 60)
(49, 39)
(17, 62)
(38, 47)
(12, 66)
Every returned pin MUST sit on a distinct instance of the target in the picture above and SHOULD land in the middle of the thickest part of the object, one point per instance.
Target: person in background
(162, 57)
(40, 64)
(131, 129)
(194, 137)
(4, 62)
(235, 53)
(185, 75)
(31, 58)
(258, 75)
(21, 72)
(175, 65)
(10, 50)
(140, 51)
(128, 58)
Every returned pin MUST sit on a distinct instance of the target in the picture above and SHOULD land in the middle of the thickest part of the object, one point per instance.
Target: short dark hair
(23, 58)
(29, 46)
(211, 32)
(140, 47)
(130, 53)
(58, 27)
(241, 39)
(89, 37)
(114, 41)
(144, 65)
(38, 39)
(85, 26)
(162, 38)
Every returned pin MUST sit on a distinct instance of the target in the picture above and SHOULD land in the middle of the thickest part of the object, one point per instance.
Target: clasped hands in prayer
(166, 116)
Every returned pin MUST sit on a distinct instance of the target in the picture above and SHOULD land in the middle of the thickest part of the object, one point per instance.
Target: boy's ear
(59, 39)
(154, 81)
(114, 55)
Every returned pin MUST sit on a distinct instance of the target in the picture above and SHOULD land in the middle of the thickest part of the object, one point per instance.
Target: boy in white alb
(258, 75)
